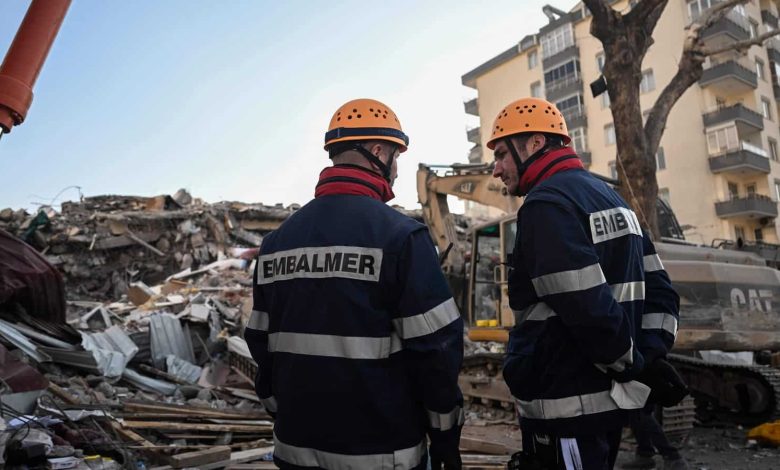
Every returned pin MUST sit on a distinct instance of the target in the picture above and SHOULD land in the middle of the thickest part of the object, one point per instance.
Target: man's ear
(376, 149)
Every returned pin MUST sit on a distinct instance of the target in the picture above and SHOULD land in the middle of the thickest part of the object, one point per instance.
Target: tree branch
(642, 11)
(741, 46)
(604, 19)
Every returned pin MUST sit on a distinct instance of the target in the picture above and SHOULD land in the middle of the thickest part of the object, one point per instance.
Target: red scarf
(353, 179)
(545, 166)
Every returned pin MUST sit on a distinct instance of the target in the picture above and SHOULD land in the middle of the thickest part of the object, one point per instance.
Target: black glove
(524, 461)
(667, 388)
(445, 450)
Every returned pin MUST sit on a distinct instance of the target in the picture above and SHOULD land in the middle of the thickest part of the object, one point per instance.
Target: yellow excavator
(729, 300)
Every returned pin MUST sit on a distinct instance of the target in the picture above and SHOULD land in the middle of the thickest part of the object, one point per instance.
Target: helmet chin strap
(384, 168)
(522, 167)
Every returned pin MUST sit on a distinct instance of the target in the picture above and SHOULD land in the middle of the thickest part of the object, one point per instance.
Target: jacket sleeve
(565, 272)
(662, 306)
(431, 330)
(256, 336)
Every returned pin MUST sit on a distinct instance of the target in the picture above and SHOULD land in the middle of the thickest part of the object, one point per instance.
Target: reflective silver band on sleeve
(660, 321)
(269, 404)
(428, 322)
(446, 421)
(653, 263)
(258, 321)
(536, 312)
(628, 291)
(403, 459)
(569, 281)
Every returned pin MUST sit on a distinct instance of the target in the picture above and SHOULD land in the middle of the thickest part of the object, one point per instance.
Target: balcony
(475, 154)
(473, 135)
(729, 78)
(746, 120)
(571, 52)
(747, 159)
(754, 205)
(575, 117)
(776, 89)
(773, 49)
(730, 28)
(472, 107)
(561, 88)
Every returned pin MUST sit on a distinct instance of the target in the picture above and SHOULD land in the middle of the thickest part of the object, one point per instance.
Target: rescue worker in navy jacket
(356, 335)
(576, 286)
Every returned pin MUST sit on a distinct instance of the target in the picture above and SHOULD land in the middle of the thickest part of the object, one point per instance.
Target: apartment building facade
(718, 164)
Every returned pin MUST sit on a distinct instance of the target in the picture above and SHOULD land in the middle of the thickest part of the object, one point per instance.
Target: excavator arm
(472, 182)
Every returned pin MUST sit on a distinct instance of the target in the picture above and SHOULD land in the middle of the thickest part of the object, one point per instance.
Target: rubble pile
(102, 244)
(157, 377)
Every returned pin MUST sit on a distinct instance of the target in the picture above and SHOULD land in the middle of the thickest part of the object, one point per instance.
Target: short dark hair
(340, 147)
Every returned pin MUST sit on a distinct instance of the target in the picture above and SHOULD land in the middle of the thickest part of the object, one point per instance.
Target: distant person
(576, 286)
(650, 438)
(356, 335)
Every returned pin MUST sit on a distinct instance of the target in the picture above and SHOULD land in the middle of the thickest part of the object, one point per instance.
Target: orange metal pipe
(25, 57)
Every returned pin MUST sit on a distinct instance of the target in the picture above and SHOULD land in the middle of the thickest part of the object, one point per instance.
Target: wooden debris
(201, 457)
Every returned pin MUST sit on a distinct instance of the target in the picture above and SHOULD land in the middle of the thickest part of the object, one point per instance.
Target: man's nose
(497, 170)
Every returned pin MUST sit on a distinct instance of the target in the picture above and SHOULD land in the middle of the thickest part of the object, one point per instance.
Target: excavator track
(486, 393)
(741, 394)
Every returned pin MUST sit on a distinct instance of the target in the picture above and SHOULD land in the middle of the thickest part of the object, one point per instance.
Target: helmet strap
(522, 167)
(383, 167)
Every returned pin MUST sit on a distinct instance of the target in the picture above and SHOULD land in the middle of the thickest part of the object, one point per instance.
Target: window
(570, 107)
(772, 149)
(536, 89)
(605, 100)
(695, 7)
(648, 81)
(600, 61)
(777, 190)
(533, 59)
(760, 69)
(733, 190)
(578, 139)
(722, 140)
(660, 159)
(720, 103)
(759, 234)
(557, 40)
(562, 73)
(609, 134)
(739, 233)
(663, 193)
(775, 67)
(753, 28)
(751, 189)
(613, 170)
(766, 108)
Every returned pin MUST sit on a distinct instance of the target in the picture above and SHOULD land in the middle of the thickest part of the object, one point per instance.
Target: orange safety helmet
(533, 115)
(365, 119)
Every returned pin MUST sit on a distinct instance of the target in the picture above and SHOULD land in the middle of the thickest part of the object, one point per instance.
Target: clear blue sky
(230, 99)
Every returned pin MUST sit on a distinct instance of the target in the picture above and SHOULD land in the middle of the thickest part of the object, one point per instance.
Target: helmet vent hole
(521, 111)
(338, 119)
(501, 130)
(517, 107)
(349, 117)
(527, 125)
(359, 116)
(371, 109)
(376, 115)
(354, 110)
(546, 112)
(525, 107)
(530, 110)
(385, 117)
(533, 105)
(552, 125)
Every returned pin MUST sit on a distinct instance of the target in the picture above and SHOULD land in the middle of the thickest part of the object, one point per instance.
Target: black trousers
(650, 436)
(595, 451)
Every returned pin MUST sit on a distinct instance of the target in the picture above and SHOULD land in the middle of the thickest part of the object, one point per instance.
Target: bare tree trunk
(626, 40)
